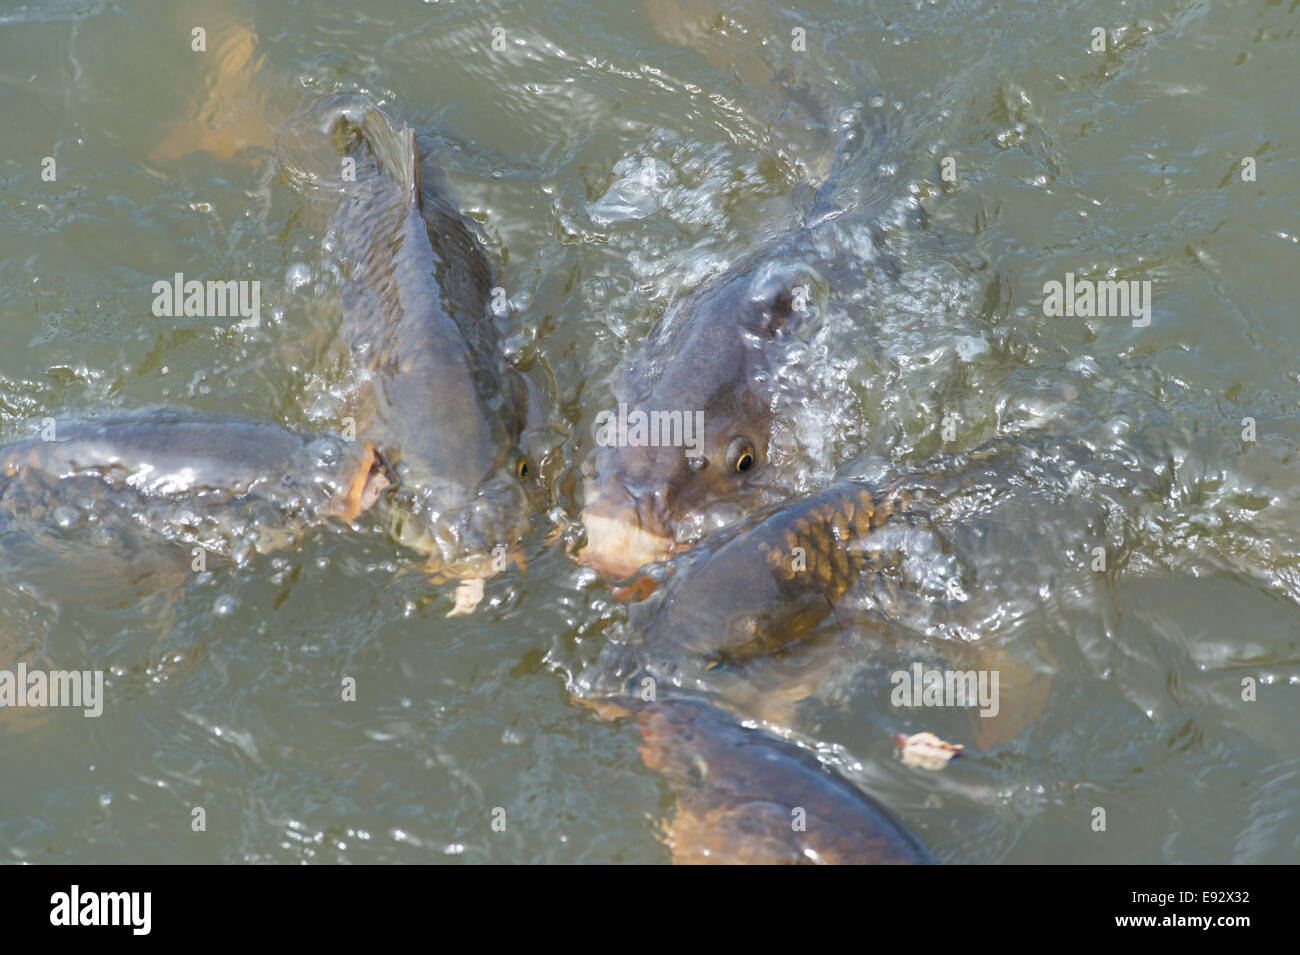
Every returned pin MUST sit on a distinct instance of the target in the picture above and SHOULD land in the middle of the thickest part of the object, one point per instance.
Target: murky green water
(223, 689)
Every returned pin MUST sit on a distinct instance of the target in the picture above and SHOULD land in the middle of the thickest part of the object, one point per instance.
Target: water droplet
(225, 605)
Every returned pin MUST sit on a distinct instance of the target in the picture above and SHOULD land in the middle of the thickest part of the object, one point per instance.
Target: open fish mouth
(619, 547)
(369, 481)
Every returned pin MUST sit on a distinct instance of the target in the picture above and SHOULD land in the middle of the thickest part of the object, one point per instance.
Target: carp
(745, 796)
(212, 480)
(715, 357)
(756, 588)
(434, 390)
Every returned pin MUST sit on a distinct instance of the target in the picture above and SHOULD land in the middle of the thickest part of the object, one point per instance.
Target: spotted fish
(758, 587)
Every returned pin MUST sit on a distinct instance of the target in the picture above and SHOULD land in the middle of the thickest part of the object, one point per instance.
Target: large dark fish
(754, 589)
(747, 613)
(211, 480)
(714, 353)
(437, 396)
(745, 796)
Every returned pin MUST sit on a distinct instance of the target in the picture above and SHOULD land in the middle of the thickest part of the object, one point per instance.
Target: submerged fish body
(761, 613)
(740, 793)
(435, 394)
(206, 479)
(755, 589)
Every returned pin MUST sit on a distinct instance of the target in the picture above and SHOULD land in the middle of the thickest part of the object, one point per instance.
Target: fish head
(467, 528)
(454, 431)
(686, 449)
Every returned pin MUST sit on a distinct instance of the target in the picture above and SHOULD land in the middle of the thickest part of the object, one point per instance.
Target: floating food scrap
(469, 593)
(926, 751)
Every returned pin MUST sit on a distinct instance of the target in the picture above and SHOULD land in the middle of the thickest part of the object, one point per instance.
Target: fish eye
(740, 455)
(521, 468)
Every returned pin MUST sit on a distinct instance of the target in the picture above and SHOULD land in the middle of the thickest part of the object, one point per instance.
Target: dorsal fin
(395, 152)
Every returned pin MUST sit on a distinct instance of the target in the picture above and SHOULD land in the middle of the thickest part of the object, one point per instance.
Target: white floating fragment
(468, 594)
(926, 751)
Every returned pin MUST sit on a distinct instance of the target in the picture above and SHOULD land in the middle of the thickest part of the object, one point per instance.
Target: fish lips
(478, 529)
(618, 542)
(627, 531)
(370, 477)
(626, 521)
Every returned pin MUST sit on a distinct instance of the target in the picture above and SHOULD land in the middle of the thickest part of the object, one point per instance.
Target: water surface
(223, 688)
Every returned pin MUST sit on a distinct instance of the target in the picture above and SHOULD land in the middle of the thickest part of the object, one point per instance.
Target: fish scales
(738, 789)
(170, 471)
(754, 589)
(435, 392)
